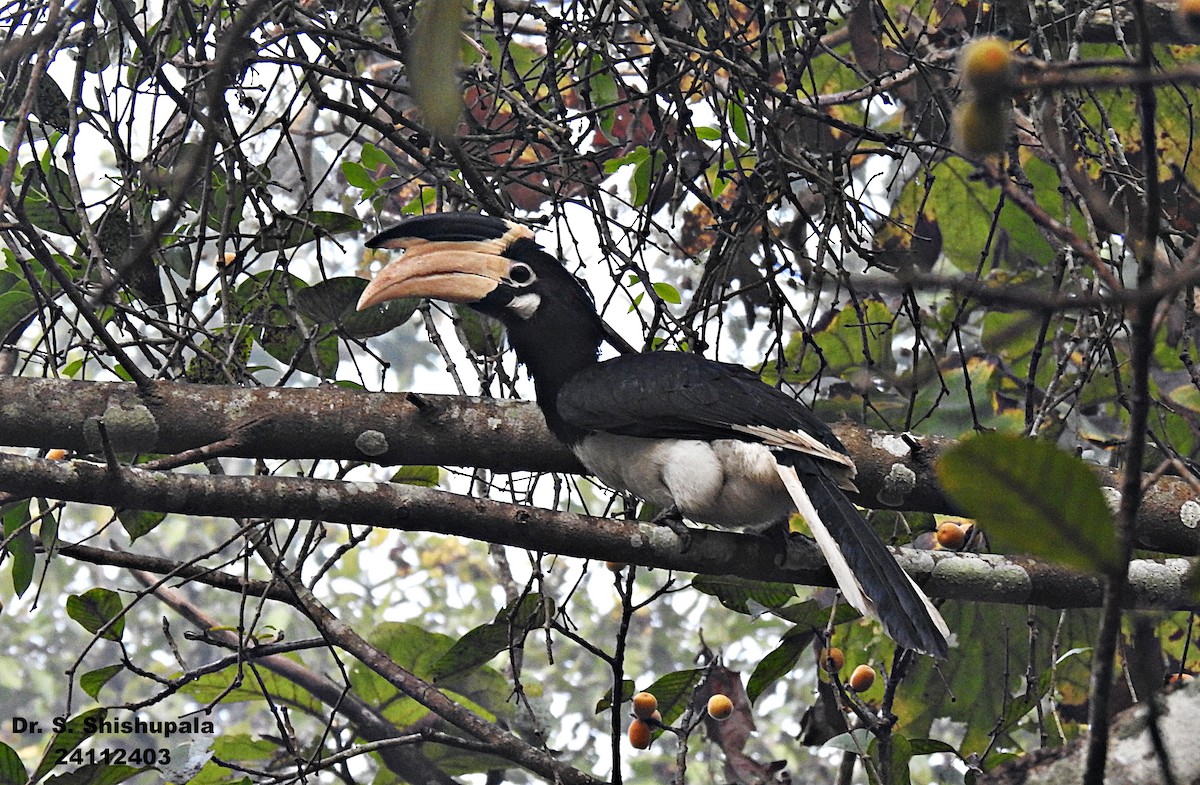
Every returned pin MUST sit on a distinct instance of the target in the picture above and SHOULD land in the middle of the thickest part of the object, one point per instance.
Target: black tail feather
(902, 609)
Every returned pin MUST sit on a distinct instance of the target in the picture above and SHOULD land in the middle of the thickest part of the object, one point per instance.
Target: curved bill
(454, 271)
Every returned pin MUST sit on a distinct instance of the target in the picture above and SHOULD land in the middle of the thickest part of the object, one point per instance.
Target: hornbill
(703, 439)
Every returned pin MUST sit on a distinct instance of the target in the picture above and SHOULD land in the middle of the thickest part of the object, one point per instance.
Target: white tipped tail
(847, 583)
(899, 608)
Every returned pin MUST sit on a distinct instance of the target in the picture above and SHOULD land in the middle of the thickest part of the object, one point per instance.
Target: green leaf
(335, 301)
(674, 692)
(243, 747)
(357, 176)
(12, 771)
(48, 203)
(600, 81)
(374, 158)
(527, 612)
(1021, 705)
(480, 689)
(777, 664)
(328, 300)
(20, 544)
(92, 681)
(966, 209)
(930, 747)
(667, 293)
(1187, 396)
(262, 300)
(139, 522)
(476, 648)
(628, 689)
(853, 339)
(481, 334)
(453, 762)
(637, 156)
(420, 476)
(998, 758)
(744, 595)
(484, 642)
(736, 113)
(17, 307)
(225, 356)
(1010, 335)
(114, 235)
(95, 608)
(951, 410)
(51, 105)
(644, 164)
(813, 615)
(76, 730)
(1031, 497)
(991, 657)
(424, 199)
(855, 741)
(48, 531)
(228, 686)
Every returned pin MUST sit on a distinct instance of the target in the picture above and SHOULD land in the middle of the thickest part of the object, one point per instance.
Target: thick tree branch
(982, 578)
(895, 470)
(318, 422)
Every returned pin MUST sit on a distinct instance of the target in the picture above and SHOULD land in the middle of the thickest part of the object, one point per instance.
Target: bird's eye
(520, 274)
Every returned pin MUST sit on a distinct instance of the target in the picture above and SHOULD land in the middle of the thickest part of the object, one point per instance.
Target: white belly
(727, 482)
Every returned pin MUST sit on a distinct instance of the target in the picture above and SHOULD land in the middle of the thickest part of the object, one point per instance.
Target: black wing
(682, 396)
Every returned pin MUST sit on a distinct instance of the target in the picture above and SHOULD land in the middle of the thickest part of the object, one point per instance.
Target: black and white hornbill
(707, 439)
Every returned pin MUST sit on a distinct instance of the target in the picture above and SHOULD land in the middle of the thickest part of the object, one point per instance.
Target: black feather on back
(680, 395)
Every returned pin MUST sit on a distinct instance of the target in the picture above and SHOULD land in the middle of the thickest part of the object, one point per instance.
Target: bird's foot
(796, 550)
(672, 518)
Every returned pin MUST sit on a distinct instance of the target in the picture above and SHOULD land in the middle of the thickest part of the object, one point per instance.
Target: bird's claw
(673, 520)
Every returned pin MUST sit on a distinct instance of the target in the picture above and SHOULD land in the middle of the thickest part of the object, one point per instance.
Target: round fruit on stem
(644, 704)
(832, 659)
(951, 535)
(640, 734)
(720, 707)
(861, 679)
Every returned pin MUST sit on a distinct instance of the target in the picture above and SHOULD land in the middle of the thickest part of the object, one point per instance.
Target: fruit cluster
(646, 717)
(861, 678)
(720, 707)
